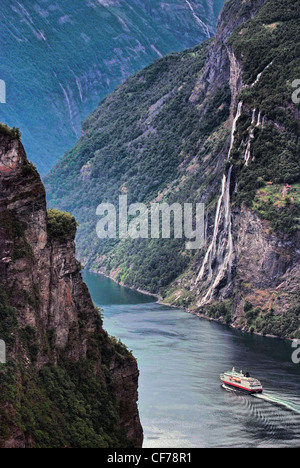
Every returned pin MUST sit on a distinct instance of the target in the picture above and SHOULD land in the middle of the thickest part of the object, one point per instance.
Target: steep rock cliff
(249, 275)
(66, 382)
(268, 274)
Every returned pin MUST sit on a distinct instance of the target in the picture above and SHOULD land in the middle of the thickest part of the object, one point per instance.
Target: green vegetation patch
(12, 132)
(220, 310)
(279, 204)
(284, 325)
(270, 58)
(61, 226)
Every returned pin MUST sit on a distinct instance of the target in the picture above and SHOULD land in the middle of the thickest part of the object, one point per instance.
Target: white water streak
(259, 120)
(254, 124)
(277, 400)
(68, 101)
(260, 74)
(199, 20)
(213, 249)
(248, 153)
(233, 130)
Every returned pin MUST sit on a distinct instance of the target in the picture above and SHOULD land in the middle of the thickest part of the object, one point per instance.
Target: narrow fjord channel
(180, 358)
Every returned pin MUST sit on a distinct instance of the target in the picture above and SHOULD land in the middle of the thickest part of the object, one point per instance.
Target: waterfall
(212, 247)
(70, 108)
(259, 120)
(233, 130)
(221, 247)
(199, 20)
(248, 153)
(260, 74)
(257, 79)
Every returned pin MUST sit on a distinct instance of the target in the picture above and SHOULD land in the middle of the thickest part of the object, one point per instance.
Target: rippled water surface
(180, 358)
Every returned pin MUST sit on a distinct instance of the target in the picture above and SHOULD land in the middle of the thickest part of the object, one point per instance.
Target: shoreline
(159, 300)
(141, 291)
(237, 328)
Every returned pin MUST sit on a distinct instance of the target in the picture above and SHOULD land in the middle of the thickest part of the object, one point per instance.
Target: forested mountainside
(214, 124)
(66, 383)
(59, 58)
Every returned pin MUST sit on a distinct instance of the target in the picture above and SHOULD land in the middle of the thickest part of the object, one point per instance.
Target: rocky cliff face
(249, 275)
(222, 67)
(56, 325)
(267, 275)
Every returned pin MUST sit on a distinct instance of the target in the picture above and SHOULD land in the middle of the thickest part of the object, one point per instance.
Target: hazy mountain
(61, 58)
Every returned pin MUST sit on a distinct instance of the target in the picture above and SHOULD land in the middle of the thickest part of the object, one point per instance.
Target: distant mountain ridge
(60, 58)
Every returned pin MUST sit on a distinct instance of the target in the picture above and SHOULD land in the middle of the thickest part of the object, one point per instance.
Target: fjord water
(180, 358)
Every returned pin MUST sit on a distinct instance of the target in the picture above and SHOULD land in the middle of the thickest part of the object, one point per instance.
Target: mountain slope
(59, 59)
(215, 124)
(66, 383)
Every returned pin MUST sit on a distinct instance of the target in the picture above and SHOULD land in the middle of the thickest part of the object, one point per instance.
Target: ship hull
(242, 388)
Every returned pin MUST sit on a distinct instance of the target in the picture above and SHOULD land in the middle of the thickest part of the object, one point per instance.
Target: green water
(180, 358)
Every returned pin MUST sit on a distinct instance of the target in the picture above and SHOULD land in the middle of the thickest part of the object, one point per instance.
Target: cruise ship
(241, 381)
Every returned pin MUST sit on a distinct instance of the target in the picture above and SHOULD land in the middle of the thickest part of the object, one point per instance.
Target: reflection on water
(180, 358)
